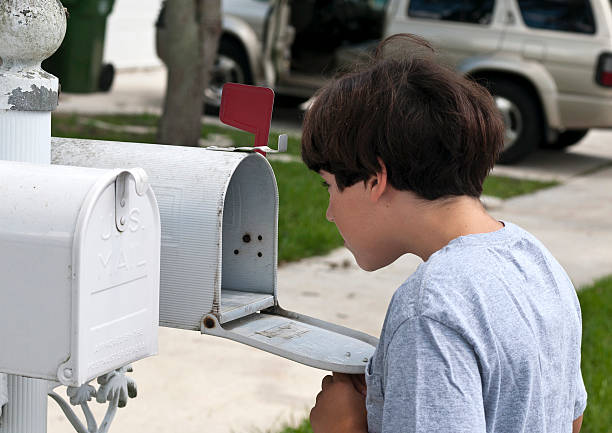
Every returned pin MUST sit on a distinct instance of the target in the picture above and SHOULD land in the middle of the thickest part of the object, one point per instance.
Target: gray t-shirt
(483, 337)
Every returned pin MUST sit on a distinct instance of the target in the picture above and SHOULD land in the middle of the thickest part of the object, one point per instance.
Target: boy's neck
(431, 225)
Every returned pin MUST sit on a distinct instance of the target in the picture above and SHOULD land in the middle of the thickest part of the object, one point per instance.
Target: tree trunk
(187, 40)
(210, 31)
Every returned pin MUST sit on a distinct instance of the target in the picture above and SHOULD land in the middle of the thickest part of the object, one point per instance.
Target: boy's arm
(577, 424)
(432, 381)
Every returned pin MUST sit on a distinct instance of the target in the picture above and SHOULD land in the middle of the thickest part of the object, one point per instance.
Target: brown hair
(437, 133)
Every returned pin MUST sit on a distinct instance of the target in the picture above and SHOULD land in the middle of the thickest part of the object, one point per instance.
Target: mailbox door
(116, 267)
(39, 207)
(79, 289)
(300, 338)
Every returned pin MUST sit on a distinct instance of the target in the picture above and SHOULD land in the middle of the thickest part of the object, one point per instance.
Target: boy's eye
(325, 184)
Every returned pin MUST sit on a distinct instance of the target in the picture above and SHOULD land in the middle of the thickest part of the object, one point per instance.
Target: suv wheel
(521, 117)
(288, 101)
(231, 66)
(565, 139)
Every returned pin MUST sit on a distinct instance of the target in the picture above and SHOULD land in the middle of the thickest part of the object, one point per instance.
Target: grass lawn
(304, 427)
(507, 187)
(76, 126)
(303, 229)
(85, 124)
(596, 303)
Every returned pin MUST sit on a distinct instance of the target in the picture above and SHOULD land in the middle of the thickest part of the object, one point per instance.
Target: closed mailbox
(79, 260)
(219, 213)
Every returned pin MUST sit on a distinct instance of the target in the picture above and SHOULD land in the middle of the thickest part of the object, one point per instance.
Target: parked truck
(548, 63)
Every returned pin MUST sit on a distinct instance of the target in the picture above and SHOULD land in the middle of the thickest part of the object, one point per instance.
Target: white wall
(130, 34)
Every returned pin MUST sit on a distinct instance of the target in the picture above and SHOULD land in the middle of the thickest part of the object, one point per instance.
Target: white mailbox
(79, 267)
(219, 213)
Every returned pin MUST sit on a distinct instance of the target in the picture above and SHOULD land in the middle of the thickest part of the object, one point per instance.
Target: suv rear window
(465, 11)
(564, 16)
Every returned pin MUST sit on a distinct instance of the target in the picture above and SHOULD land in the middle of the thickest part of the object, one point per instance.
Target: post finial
(30, 31)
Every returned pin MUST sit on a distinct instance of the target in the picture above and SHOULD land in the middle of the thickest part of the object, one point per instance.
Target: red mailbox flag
(248, 108)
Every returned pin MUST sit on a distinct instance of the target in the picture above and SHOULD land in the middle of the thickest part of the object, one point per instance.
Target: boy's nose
(328, 215)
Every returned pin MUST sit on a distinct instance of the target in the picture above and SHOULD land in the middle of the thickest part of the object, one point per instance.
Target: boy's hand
(340, 407)
(359, 383)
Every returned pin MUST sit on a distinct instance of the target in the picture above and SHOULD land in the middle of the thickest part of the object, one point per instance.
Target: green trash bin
(78, 62)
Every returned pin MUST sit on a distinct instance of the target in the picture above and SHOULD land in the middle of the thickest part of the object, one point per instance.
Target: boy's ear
(378, 183)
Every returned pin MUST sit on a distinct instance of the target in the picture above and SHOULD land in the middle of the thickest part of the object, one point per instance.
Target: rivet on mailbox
(214, 278)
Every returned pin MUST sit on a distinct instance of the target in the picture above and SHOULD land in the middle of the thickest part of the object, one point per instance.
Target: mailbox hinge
(122, 194)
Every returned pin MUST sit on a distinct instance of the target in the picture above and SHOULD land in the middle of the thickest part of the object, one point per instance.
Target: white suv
(547, 62)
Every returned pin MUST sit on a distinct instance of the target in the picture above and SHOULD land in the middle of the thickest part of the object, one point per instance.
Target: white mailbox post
(29, 32)
(79, 248)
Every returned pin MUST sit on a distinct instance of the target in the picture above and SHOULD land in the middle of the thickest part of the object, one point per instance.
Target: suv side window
(564, 16)
(464, 11)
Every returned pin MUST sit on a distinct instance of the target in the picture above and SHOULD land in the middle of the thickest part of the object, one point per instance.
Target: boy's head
(438, 134)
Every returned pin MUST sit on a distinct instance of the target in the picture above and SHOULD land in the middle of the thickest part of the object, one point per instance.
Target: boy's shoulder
(465, 277)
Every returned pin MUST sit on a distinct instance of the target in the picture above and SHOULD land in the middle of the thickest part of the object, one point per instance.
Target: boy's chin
(368, 265)
(368, 268)
(373, 264)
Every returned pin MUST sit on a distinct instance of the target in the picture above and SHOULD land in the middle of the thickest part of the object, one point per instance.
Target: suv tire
(566, 139)
(521, 115)
(285, 100)
(231, 65)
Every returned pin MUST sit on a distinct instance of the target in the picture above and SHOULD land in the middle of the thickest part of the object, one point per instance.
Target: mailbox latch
(122, 194)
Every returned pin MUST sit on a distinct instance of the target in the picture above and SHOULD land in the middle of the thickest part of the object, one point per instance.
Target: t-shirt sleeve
(581, 396)
(432, 381)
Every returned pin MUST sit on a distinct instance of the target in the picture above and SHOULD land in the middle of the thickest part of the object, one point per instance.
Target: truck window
(465, 11)
(565, 16)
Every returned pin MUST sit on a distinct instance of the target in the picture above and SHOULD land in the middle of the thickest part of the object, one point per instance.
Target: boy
(485, 335)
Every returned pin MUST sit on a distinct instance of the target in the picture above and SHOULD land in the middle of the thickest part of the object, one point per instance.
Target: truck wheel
(231, 66)
(565, 139)
(288, 101)
(522, 119)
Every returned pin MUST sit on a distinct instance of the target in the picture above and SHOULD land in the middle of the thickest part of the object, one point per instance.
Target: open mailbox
(219, 213)
(79, 259)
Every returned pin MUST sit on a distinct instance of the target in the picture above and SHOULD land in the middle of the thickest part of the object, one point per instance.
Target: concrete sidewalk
(201, 383)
